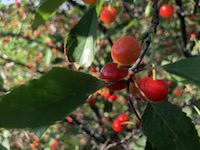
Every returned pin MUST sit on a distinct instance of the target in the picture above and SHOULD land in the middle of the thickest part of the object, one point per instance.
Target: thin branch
(125, 139)
(131, 104)
(154, 24)
(5, 57)
(87, 129)
(181, 17)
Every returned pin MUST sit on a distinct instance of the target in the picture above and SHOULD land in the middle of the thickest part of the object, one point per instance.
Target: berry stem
(131, 103)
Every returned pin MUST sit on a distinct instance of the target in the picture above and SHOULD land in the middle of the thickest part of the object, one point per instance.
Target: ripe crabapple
(125, 50)
(117, 126)
(123, 118)
(111, 72)
(113, 76)
(154, 90)
(113, 97)
(166, 11)
(108, 14)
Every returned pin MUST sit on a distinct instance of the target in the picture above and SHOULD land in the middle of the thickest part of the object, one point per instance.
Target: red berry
(116, 126)
(166, 11)
(113, 97)
(90, 100)
(108, 14)
(54, 144)
(69, 120)
(177, 92)
(111, 72)
(106, 94)
(17, 3)
(123, 118)
(115, 86)
(93, 69)
(154, 90)
(125, 50)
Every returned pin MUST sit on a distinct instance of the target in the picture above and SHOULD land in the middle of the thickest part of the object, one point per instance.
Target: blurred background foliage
(26, 54)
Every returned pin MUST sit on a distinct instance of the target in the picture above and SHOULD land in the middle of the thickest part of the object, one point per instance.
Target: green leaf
(81, 39)
(131, 24)
(99, 6)
(43, 101)
(186, 68)
(2, 147)
(168, 128)
(45, 11)
(48, 57)
(128, 1)
(149, 146)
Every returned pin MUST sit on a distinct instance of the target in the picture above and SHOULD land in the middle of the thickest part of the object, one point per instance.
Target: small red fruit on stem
(113, 97)
(117, 126)
(113, 76)
(123, 118)
(166, 11)
(108, 14)
(125, 50)
(154, 90)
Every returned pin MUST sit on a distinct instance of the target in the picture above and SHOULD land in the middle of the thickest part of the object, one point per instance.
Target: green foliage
(45, 11)
(167, 127)
(47, 99)
(59, 92)
(2, 147)
(81, 39)
(186, 68)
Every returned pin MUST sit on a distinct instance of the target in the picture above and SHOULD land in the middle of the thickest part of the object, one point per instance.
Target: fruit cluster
(125, 51)
(120, 123)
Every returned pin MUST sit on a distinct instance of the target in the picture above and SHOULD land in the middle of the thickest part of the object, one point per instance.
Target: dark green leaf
(45, 11)
(2, 147)
(128, 1)
(47, 99)
(188, 68)
(168, 128)
(81, 39)
(149, 146)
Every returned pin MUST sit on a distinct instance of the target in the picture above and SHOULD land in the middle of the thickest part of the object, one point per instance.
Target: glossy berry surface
(111, 72)
(115, 86)
(125, 50)
(113, 97)
(116, 126)
(108, 14)
(123, 118)
(90, 100)
(155, 90)
(166, 11)
(88, 1)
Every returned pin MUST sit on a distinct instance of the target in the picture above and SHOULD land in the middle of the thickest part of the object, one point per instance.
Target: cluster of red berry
(125, 52)
(120, 123)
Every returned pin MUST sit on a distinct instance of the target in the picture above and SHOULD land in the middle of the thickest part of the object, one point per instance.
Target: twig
(87, 129)
(97, 113)
(154, 24)
(5, 57)
(181, 17)
(131, 104)
(128, 137)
